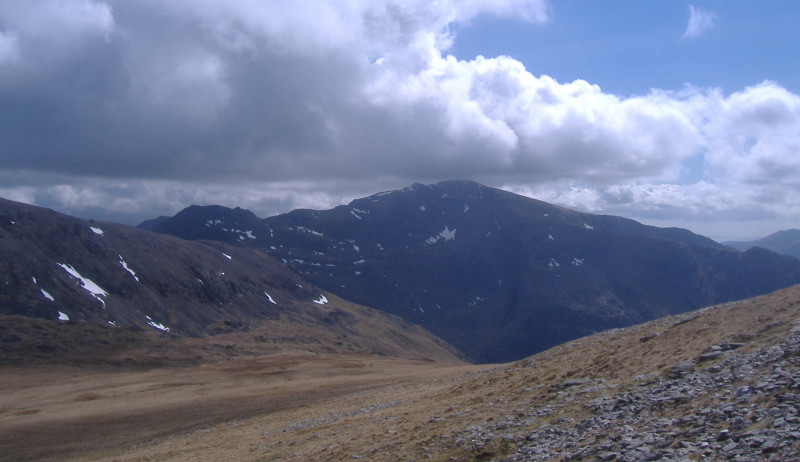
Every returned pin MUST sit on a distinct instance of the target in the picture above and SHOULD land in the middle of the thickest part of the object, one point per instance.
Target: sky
(671, 113)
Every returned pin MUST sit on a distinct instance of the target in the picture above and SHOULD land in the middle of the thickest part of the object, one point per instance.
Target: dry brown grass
(310, 406)
(65, 413)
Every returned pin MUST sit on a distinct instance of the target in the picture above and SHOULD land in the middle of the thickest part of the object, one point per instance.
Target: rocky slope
(63, 269)
(497, 275)
(725, 403)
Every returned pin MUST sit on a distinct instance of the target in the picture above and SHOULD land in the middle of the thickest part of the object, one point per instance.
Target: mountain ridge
(66, 269)
(785, 242)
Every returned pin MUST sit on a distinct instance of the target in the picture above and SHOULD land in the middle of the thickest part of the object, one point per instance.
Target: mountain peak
(498, 275)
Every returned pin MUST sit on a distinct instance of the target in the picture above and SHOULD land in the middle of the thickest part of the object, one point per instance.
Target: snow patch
(87, 284)
(422, 208)
(553, 263)
(355, 214)
(227, 256)
(125, 265)
(577, 261)
(359, 262)
(63, 316)
(357, 249)
(309, 231)
(158, 326)
(466, 208)
(34, 280)
(303, 262)
(321, 300)
(97, 231)
(249, 234)
(447, 235)
(270, 298)
(587, 226)
(47, 295)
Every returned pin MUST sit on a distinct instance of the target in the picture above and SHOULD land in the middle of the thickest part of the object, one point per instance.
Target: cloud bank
(128, 109)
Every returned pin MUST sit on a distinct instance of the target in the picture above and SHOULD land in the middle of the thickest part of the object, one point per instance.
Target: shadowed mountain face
(786, 242)
(497, 275)
(61, 268)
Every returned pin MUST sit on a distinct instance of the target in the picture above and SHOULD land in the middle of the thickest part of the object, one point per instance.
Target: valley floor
(281, 407)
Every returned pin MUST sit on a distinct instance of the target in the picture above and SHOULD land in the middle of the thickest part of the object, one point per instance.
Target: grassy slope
(310, 406)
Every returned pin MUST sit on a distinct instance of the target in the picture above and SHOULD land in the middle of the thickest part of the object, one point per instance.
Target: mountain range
(497, 275)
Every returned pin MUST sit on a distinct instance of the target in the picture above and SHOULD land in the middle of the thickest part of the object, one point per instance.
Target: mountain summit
(498, 275)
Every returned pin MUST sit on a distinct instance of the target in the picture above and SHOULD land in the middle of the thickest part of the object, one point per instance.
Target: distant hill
(63, 269)
(498, 275)
(785, 242)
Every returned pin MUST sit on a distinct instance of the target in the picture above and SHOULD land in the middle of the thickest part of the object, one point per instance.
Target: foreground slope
(111, 282)
(498, 275)
(722, 383)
